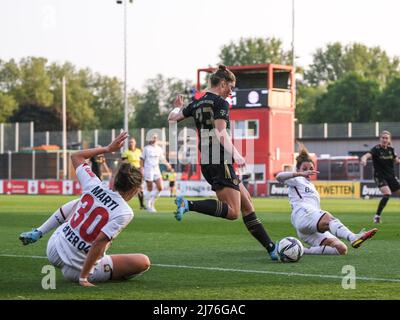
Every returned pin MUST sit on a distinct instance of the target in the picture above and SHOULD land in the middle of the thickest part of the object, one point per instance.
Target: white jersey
(302, 193)
(99, 210)
(151, 156)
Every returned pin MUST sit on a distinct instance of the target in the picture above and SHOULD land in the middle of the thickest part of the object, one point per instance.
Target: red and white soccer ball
(290, 249)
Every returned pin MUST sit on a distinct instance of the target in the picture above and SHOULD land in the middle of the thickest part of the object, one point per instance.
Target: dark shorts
(392, 182)
(220, 176)
(172, 184)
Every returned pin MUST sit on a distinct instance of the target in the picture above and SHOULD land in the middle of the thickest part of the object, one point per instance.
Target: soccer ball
(290, 249)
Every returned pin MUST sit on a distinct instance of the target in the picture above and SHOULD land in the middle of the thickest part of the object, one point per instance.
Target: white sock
(147, 197)
(338, 229)
(321, 250)
(154, 195)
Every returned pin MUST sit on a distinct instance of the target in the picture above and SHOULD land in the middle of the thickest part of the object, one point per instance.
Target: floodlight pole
(64, 128)
(126, 125)
(293, 20)
(126, 113)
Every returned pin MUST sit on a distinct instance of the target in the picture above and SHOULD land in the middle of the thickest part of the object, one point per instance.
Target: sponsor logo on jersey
(75, 240)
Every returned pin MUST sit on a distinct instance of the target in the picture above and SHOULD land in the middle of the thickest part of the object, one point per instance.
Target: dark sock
(382, 204)
(140, 196)
(213, 208)
(256, 228)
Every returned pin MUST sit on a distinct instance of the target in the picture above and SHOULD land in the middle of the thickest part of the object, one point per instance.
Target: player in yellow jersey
(132, 155)
(172, 179)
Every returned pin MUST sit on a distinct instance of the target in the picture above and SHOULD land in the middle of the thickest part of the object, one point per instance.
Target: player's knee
(143, 262)
(233, 213)
(323, 224)
(327, 217)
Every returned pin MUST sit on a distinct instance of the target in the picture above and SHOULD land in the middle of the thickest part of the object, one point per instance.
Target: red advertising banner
(15, 186)
(50, 187)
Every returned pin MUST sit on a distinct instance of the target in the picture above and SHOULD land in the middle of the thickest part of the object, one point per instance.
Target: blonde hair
(303, 156)
(389, 134)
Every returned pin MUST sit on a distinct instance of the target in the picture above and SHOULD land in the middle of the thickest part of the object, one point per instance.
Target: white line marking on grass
(272, 272)
(21, 256)
(289, 274)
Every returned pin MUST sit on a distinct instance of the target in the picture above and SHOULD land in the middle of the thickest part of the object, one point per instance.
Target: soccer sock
(140, 196)
(254, 225)
(154, 195)
(338, 229)
(321, 250)
(209, 207)
(147, 197)
(382, 204)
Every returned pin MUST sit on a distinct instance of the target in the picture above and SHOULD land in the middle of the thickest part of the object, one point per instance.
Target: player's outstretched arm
(365, 158)
(96, 251)
(283, 176)
(80, 157)
(56, 219)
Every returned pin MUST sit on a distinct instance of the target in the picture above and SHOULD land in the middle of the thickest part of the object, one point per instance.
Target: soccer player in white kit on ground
(318, 228)
(150, 160)
(86, 226)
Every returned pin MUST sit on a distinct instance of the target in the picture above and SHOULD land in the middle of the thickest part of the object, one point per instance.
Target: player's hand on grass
(85, 283)
(30, 237)
(118, 142)
(308, 173)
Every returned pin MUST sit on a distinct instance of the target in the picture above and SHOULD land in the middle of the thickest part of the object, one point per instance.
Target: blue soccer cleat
(30, 236)
(182, 206)
(274, 254)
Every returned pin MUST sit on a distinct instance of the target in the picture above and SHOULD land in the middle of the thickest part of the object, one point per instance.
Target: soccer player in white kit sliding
(150, 160)
(87, 226)
(316, 227)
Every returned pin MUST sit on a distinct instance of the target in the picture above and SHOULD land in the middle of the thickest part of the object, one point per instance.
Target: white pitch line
(290, 274)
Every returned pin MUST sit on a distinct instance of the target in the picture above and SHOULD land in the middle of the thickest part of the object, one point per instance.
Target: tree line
(31, 90)
(344, 83)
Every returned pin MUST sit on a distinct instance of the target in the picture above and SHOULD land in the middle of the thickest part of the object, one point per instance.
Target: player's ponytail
(303, 156)
(223, 73)
(127, 178)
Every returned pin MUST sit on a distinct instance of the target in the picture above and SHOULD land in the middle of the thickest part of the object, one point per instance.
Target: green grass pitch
(207, 258)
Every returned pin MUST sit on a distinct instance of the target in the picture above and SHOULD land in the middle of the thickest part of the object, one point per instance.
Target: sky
(176, 37)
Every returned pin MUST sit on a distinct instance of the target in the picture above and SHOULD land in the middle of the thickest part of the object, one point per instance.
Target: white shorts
(305, 221)
(152, 174)
(101, 272)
